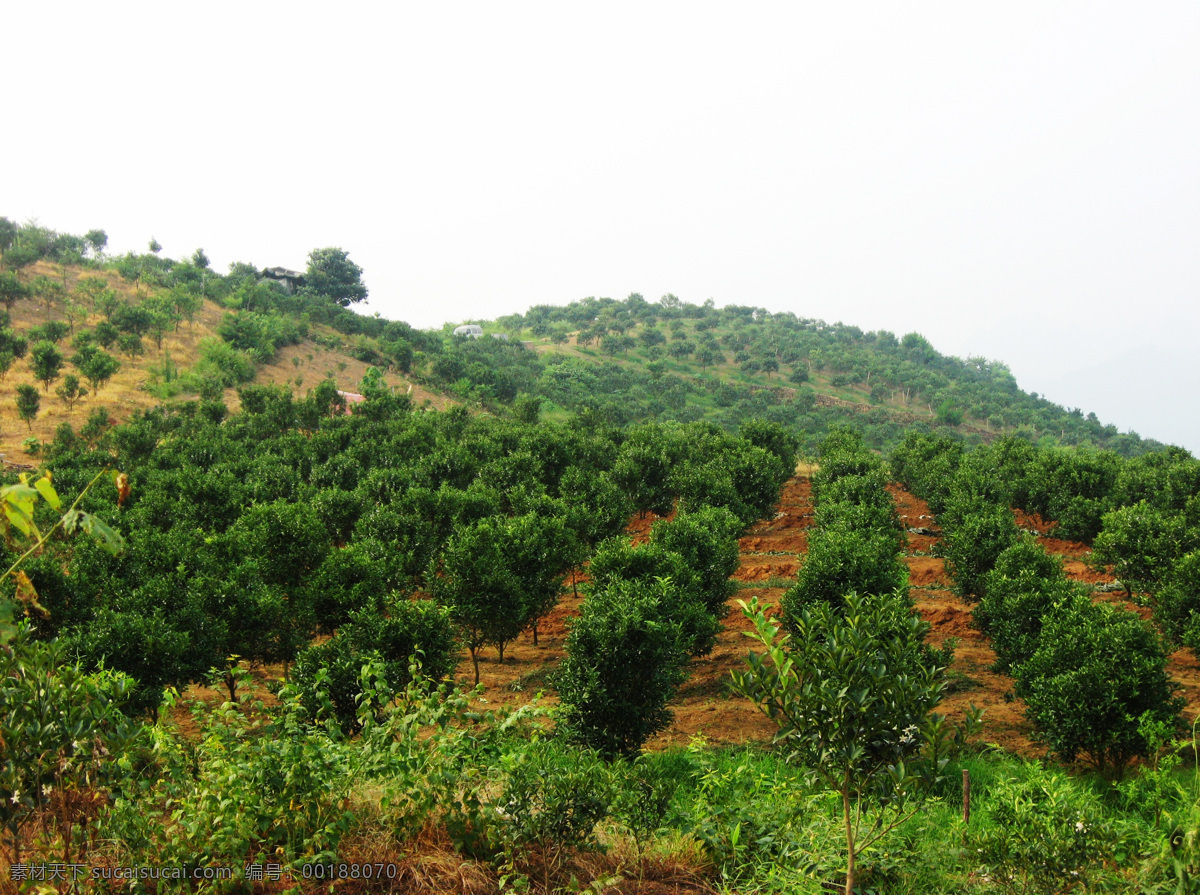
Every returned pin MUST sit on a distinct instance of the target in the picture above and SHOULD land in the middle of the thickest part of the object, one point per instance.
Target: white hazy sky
(1019, 181)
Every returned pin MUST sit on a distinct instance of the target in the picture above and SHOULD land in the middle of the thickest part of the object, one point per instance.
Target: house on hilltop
(470, 330)
(290, 280)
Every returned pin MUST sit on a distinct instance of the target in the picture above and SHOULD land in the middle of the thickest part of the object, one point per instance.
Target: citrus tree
(852, 691)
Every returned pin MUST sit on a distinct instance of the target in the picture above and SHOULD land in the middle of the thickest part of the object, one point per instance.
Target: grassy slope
(298, 366)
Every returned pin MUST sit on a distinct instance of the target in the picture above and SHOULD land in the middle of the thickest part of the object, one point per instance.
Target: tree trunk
(849, 839)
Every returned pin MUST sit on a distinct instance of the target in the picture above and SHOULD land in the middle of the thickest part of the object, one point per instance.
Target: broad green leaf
(46, 489)
(101, 533)
(71, 521)
(19, 501)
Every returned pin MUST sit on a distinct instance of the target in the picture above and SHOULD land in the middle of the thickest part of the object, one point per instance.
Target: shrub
(328, 678)
(1142, 542)
(1021, 591)
(706, 540)
(224, 363)
(1177, 603)
(927, 464)
(1097, 670)
(840, 562)
(974, 534)
(1015, 609)
(1046, 836)
(328, 683)
(554, 797)
(863, 518)
(626, 656)
(617, 562)
(60, 728)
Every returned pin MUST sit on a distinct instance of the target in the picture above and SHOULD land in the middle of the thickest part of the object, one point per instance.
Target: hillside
(148, 379)
(633, 359)
(184, 331)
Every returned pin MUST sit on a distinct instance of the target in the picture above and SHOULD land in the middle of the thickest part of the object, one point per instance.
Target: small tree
(1141, 543)
(626, 657)
(12, 289)
(131, 345)
(97, 240)
(1177, 603)
(487, 600)
(29, 402)
(975, 533)
(98, 368)
(1097, 671)
(852, 694)
(840, 561)
(46, 361)
(71, 391)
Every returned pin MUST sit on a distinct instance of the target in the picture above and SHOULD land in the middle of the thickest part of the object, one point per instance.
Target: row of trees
(1093, 676)
(1141, 515)
(856, 542)
(247, 534)
(848, 677)
(649, 610)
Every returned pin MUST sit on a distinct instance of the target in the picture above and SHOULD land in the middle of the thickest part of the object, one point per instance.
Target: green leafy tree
(975, 532)
(626, 657)
(8, 233)
(487, 598)
(1026, 587)
(541, 549)
(144, 645)
(131, 345)
(12, 289)
(97, 241)
(706, 541)
(617, 562)
(163, 317)
(1176, 603)
(29, 402)
(1097, 671)
(333, 275)
(49, 291)
(71, 391)
(19, 256)
(852, 692)
(839, 562)
(1142, 542)
(97, 368)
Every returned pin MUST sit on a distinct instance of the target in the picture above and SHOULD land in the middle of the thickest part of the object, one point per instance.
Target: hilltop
(182, 332)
